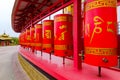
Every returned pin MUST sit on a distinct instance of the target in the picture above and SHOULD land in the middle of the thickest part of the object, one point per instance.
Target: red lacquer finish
(38, 36)
(100, 33)
(28, 37)
(20, 39)
(48, 36)
(32, 37)
(63, 42)
(24, 38)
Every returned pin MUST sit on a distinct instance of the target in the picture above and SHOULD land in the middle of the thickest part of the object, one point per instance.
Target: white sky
(118, 13)
(6, 7)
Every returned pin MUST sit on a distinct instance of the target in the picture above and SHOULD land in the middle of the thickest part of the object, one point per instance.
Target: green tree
(15, 41)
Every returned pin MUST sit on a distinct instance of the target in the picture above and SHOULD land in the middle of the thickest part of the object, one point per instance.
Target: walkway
(9, 66)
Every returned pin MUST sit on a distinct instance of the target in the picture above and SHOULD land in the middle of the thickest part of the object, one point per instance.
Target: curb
(30, 70)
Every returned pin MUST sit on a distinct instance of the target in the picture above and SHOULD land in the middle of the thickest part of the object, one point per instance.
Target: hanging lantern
(100, 38)
(38, 36)
(28, 37)
(63, 38)
(48, 36)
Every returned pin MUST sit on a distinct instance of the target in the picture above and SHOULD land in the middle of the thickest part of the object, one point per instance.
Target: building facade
(5, 40)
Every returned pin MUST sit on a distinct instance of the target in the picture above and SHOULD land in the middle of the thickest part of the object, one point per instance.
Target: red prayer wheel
(28, 37)
(38, 36)
(32, 33)
(63, 39)
(100, 38)
(48, 38)
(20, 39)
(24, 39)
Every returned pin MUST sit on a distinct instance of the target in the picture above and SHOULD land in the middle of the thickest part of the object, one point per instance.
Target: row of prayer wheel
(100, 34)
(51, 36)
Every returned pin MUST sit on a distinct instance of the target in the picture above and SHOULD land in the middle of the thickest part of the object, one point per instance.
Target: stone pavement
(10, 68)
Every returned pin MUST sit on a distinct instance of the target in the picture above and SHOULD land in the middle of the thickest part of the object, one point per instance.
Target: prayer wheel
(63, 39)
(32, 33)
(38, 36)
(24, 39)
(20, 39)
(28, 38)
(100, 38)
(48, 37)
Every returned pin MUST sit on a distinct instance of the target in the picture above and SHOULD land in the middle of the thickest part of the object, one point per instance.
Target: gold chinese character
(97, 29)
(48, 34)
(63, 27)
(62, 36)
(108, 27)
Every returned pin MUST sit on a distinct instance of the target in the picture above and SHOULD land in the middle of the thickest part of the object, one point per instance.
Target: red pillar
(77, 33)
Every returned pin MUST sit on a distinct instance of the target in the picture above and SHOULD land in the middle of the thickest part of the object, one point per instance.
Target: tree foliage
(15, 41)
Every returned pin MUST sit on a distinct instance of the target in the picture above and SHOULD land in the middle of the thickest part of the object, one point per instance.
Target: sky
(118, 13)
(6, 7)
